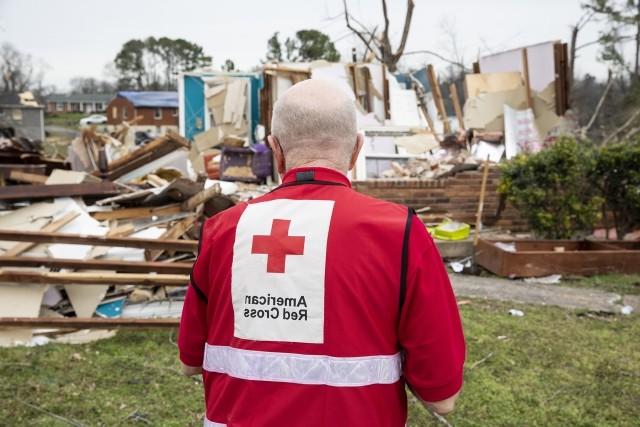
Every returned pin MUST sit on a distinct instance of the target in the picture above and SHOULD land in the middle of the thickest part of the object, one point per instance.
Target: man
(313, 305)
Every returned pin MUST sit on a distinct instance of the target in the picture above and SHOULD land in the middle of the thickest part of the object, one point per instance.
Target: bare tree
(19, 72)
(573, 48)
(380, 45)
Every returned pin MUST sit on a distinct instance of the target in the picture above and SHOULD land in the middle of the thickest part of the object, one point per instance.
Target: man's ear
(277, 154)
(356, 150)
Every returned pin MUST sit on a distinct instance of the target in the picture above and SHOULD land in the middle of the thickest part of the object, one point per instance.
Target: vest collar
(303, 175)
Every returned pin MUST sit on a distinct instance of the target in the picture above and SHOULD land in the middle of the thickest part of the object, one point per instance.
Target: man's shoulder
(379, 205)
(357, 201)
(223, 221)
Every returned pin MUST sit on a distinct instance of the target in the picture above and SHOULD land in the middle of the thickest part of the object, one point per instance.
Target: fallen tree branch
(51, 414)
(625, 125)
(596, 112)
(479, 362)
(439, 417)
(437, 55)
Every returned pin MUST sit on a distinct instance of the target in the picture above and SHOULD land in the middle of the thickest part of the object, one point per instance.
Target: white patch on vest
(287, 302)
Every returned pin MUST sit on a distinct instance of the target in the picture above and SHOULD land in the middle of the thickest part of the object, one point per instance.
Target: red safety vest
(314, 304)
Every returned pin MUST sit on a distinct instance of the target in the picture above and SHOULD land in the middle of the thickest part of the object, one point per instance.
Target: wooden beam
(201, 197)
(51, 227)
(29, 178)
(139, 152)
(89, 322)
(143, 159)
(174, 232)
(37, 169)
(20, 277)
(98, 264)
(385, 87)
(483, 189)
(137, 212)
(437, 97)
(80, 239)
(155, 149)
(32, 192)
(525, 75)
(562, 83)
(453, 93)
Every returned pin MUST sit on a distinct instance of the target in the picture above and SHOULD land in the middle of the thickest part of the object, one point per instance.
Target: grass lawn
(624, 284)
(68, 120)
(551, 367)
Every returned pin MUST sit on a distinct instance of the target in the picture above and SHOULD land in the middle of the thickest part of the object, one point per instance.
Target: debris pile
(109, 236)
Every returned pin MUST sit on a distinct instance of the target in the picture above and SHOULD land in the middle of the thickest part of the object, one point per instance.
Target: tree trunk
(572, 57)
(636, 69)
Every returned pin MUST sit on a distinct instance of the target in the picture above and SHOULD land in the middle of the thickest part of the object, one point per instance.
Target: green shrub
(616, 173)
(552, 190)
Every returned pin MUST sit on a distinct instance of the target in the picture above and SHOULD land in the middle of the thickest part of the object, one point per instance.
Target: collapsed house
(107, 238)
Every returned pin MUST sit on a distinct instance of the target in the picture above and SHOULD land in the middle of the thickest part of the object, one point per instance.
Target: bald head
(315, 122)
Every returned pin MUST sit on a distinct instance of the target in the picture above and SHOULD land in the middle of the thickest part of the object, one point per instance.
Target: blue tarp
(151, 99)
(420, 75)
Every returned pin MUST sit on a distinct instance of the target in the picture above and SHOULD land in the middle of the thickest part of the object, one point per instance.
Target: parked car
(94, 119)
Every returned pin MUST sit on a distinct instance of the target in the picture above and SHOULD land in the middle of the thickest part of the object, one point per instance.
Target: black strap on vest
(305, 176)
(405, 256)
(192, 280)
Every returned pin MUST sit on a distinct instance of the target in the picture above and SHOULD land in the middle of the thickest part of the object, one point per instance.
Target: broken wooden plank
(32, 192)
(89, 322)
(51, 227)
(525, 75)
(437, 97)
(29, 178)
(153, 150)
(98, 264)
(143, 159)
(201, 197)
(130, 213)
(20, 277)
(453, 92)
(121, 230)
(37, 169)
(124, 242)
(174, 232)
(179, 139)
(139, 152)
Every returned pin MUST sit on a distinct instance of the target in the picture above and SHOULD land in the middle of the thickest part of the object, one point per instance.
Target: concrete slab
(539, 294)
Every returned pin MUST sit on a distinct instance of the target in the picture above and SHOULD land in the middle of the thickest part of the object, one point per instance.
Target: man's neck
(320, 163)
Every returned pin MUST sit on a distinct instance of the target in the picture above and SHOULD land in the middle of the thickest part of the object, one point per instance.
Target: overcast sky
(79, 37)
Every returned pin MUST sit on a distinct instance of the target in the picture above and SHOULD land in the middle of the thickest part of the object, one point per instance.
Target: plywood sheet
(85, 299)
(486, 110)
(491, 83)
(19, 301)
(541, 60)
(404, 108)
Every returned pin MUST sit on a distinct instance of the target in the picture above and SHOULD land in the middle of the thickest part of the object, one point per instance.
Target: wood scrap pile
(20, 155)
(108, 244)
(515, 101)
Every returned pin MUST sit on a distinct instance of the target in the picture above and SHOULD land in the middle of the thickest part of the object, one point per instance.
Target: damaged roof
(151, 99)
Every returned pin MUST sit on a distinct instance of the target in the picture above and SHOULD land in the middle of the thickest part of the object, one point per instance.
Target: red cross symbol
(278, 245)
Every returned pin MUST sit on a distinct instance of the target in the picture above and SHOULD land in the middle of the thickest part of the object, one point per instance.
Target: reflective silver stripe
(302, 368)
(209, 423)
